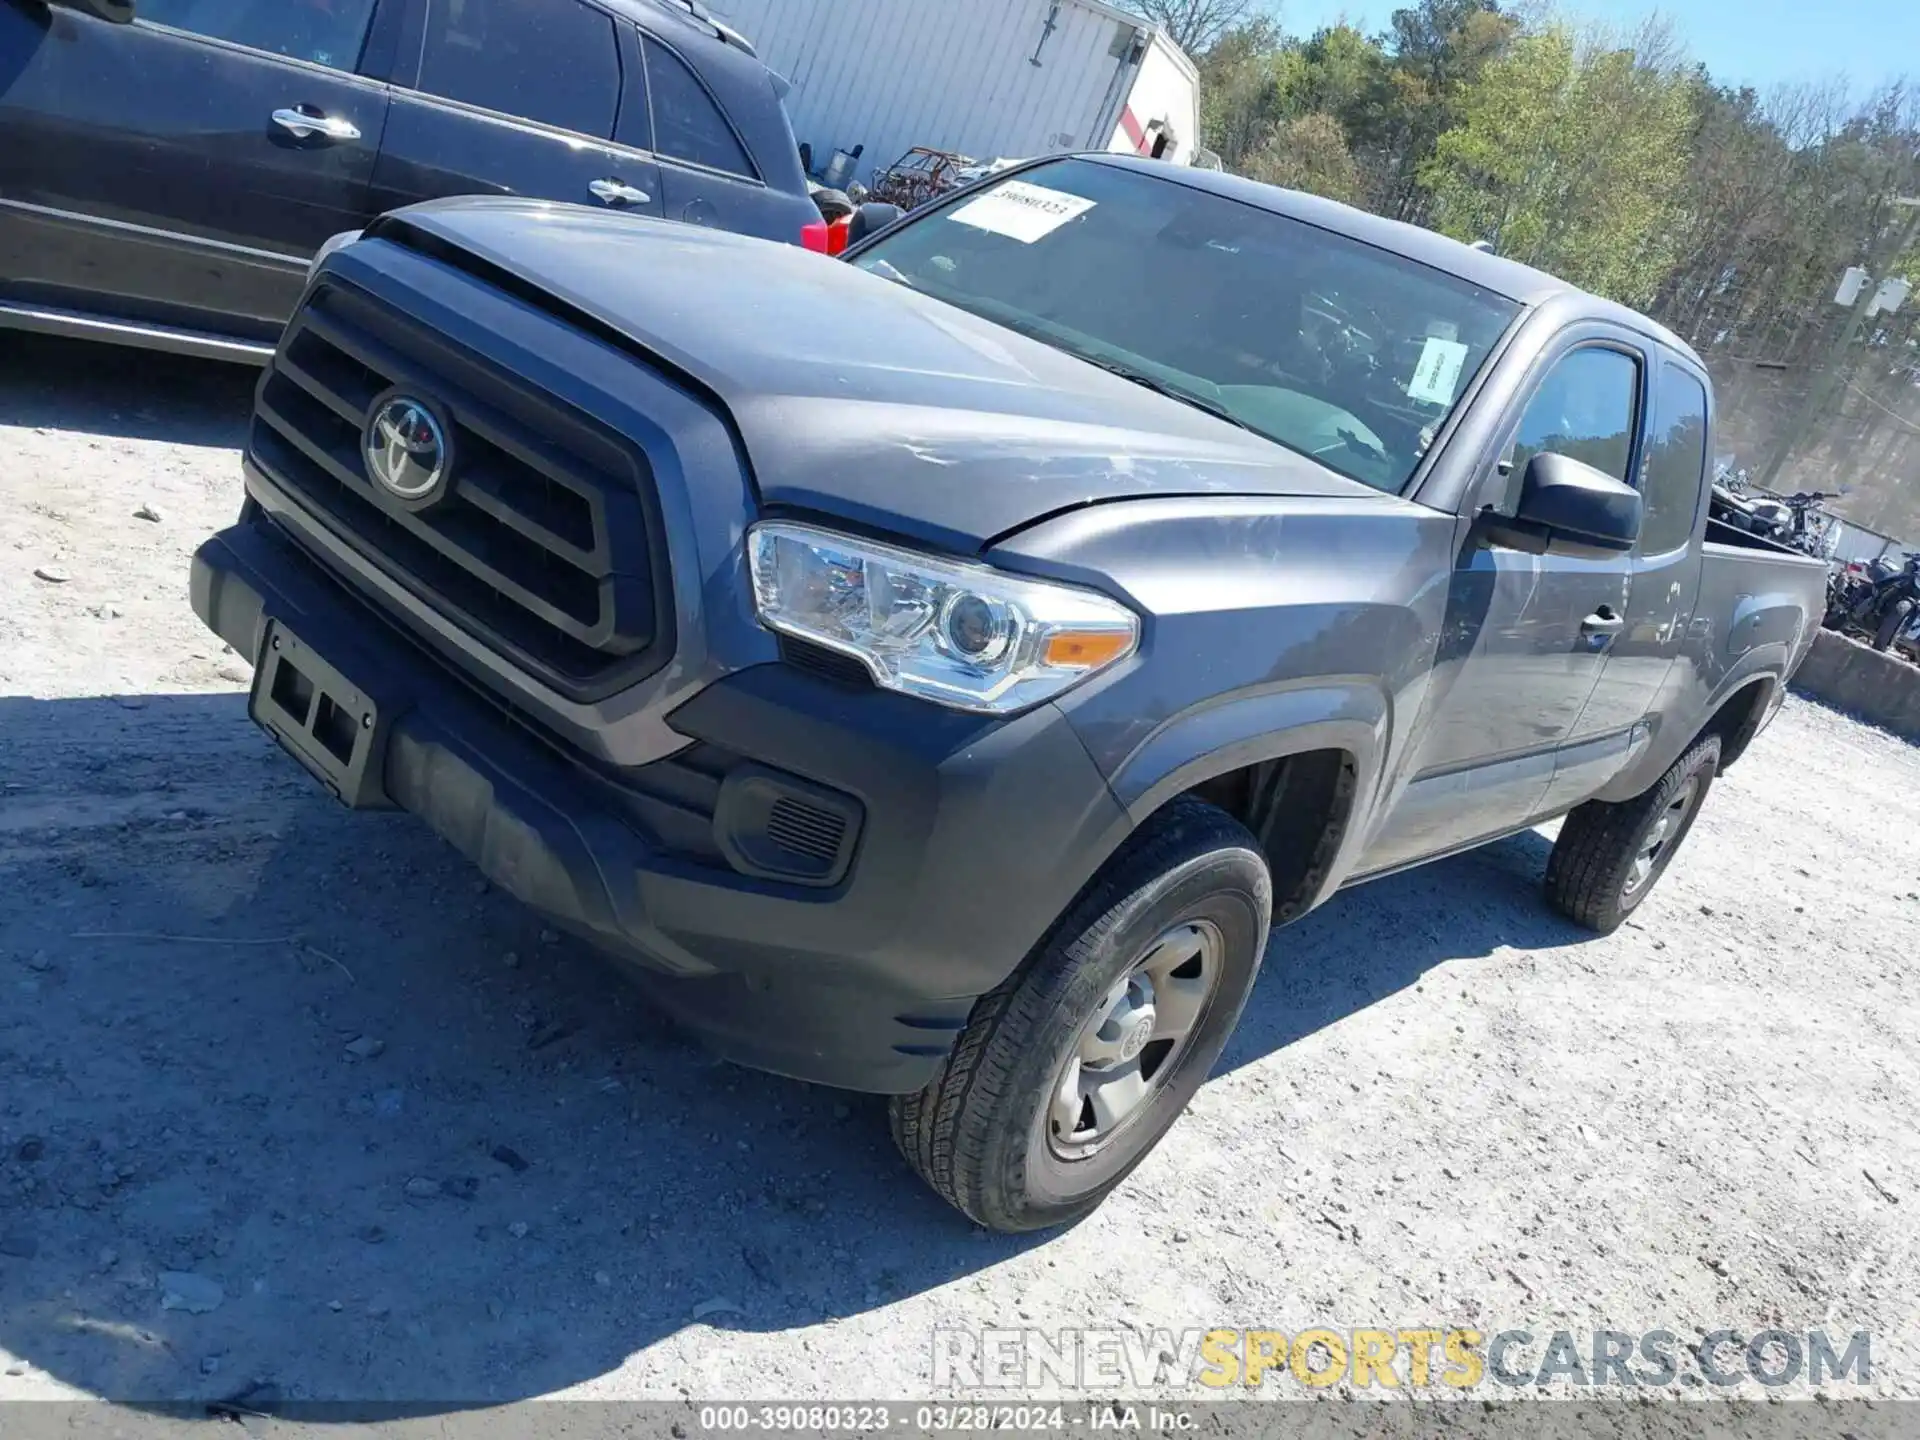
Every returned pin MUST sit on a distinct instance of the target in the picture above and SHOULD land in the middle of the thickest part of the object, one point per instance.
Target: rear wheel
(1609, 855)
(1069, 1072)
(1892, 623)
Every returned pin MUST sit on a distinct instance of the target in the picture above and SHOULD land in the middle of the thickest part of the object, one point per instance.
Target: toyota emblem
(407, 450)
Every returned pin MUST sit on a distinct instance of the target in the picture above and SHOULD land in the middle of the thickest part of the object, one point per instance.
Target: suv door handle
(304, 125)
(1602, 622)
(618, 192)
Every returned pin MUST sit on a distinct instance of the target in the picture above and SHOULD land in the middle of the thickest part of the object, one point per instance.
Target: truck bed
(1721, 535)
(1770, 593)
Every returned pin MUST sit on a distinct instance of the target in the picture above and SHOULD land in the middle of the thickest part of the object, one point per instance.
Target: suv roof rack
(721, 30)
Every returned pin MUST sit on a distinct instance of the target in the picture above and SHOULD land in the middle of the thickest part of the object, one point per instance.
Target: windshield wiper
(1172, 391)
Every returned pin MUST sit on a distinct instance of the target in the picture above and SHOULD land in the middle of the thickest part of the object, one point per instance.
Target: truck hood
(857, 397)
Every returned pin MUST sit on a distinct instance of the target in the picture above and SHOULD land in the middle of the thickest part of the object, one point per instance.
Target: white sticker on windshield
(1021, 211)
(1438, 373)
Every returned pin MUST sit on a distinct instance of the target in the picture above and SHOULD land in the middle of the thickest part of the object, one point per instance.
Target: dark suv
(167, 181)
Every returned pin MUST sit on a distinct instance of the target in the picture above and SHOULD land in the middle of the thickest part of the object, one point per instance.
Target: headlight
(964, 635)
(327, 247)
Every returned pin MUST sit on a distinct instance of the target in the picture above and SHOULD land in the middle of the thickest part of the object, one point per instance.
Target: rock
(365, 1047)
(1180, 1237)
(421, 1188)
(602, 1279)
(510, 1158)
(30, 1149)
(336, 1306)
(53, 574)
(147, 512)
(40, 961)
(20, 1247)
(718, 1305)
(380, 1308)
(195, 1294)
(210, 1365)
(518, 1229)
(18, 1367)
(461, 1187)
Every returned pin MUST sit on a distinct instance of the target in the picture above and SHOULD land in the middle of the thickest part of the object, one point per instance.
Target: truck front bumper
(975, 834)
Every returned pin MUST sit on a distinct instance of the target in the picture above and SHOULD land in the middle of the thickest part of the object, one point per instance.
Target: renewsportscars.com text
(1225, 1361)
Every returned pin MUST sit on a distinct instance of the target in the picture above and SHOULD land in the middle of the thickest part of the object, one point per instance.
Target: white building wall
(1166, 89)
(951, 74)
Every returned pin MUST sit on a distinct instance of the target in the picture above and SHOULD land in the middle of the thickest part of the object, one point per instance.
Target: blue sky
(1755, 42)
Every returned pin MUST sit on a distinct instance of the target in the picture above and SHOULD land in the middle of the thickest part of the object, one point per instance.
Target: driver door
(1526, 637)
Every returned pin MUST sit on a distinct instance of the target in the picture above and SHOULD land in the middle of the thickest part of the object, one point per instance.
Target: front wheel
(1892, 623)
(1609, 855)
(1069, 1072)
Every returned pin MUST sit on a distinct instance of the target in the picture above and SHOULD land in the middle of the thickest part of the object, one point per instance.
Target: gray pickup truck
(933, 672)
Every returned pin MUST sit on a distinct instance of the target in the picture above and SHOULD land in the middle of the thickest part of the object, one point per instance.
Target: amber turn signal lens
(1085, 649)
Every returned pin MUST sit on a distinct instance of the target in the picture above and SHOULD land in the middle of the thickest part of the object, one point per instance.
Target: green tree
(1572, 158)
(1309, 153)
(1241, 97)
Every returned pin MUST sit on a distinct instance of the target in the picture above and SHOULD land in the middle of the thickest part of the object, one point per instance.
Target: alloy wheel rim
(1660, 837)
(1131, 1044)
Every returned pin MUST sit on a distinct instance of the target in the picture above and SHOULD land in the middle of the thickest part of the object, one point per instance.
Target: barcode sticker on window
(1438, 374)
(1021, 211)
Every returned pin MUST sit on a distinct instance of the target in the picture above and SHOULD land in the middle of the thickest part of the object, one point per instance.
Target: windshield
(1344, 352)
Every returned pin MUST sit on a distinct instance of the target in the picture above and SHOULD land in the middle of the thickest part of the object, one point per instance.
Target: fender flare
(1197, 745)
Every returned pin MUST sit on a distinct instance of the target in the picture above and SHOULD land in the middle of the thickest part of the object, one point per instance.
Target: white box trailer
(990, 79)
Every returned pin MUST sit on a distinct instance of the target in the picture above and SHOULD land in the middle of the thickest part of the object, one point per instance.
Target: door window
(1584, 409)
(326, 32)
(1676, 468)
(687, 125)
(554, 61)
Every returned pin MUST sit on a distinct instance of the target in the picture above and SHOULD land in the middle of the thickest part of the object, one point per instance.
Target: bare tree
(1196, 25)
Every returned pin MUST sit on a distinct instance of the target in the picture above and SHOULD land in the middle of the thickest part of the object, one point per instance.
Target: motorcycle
(1797, 520)
(1885, 600)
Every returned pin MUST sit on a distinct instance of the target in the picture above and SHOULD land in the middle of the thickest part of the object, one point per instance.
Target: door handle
(618, 192)
(304, 125)
(1602, 622)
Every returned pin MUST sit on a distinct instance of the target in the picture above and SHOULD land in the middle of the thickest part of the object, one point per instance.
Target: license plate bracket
(327, 722)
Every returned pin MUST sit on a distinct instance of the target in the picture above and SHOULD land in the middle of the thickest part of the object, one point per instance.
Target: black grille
(806, 829)
(544, 542)
(827, 664)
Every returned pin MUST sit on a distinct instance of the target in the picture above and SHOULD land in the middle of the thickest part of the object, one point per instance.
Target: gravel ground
(404, 1145)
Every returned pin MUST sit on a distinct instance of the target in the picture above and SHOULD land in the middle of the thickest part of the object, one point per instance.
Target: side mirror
(114, 12)
(870, 219)
(1568, 506)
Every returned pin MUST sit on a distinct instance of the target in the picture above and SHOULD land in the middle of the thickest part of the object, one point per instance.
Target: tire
(1591, 875)
(1892, 623)
(985, 1133)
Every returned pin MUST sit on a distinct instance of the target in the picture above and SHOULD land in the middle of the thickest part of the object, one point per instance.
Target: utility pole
(1821, 391)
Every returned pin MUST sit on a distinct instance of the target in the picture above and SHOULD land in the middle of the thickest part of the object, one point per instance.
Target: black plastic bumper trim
(976, 836)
